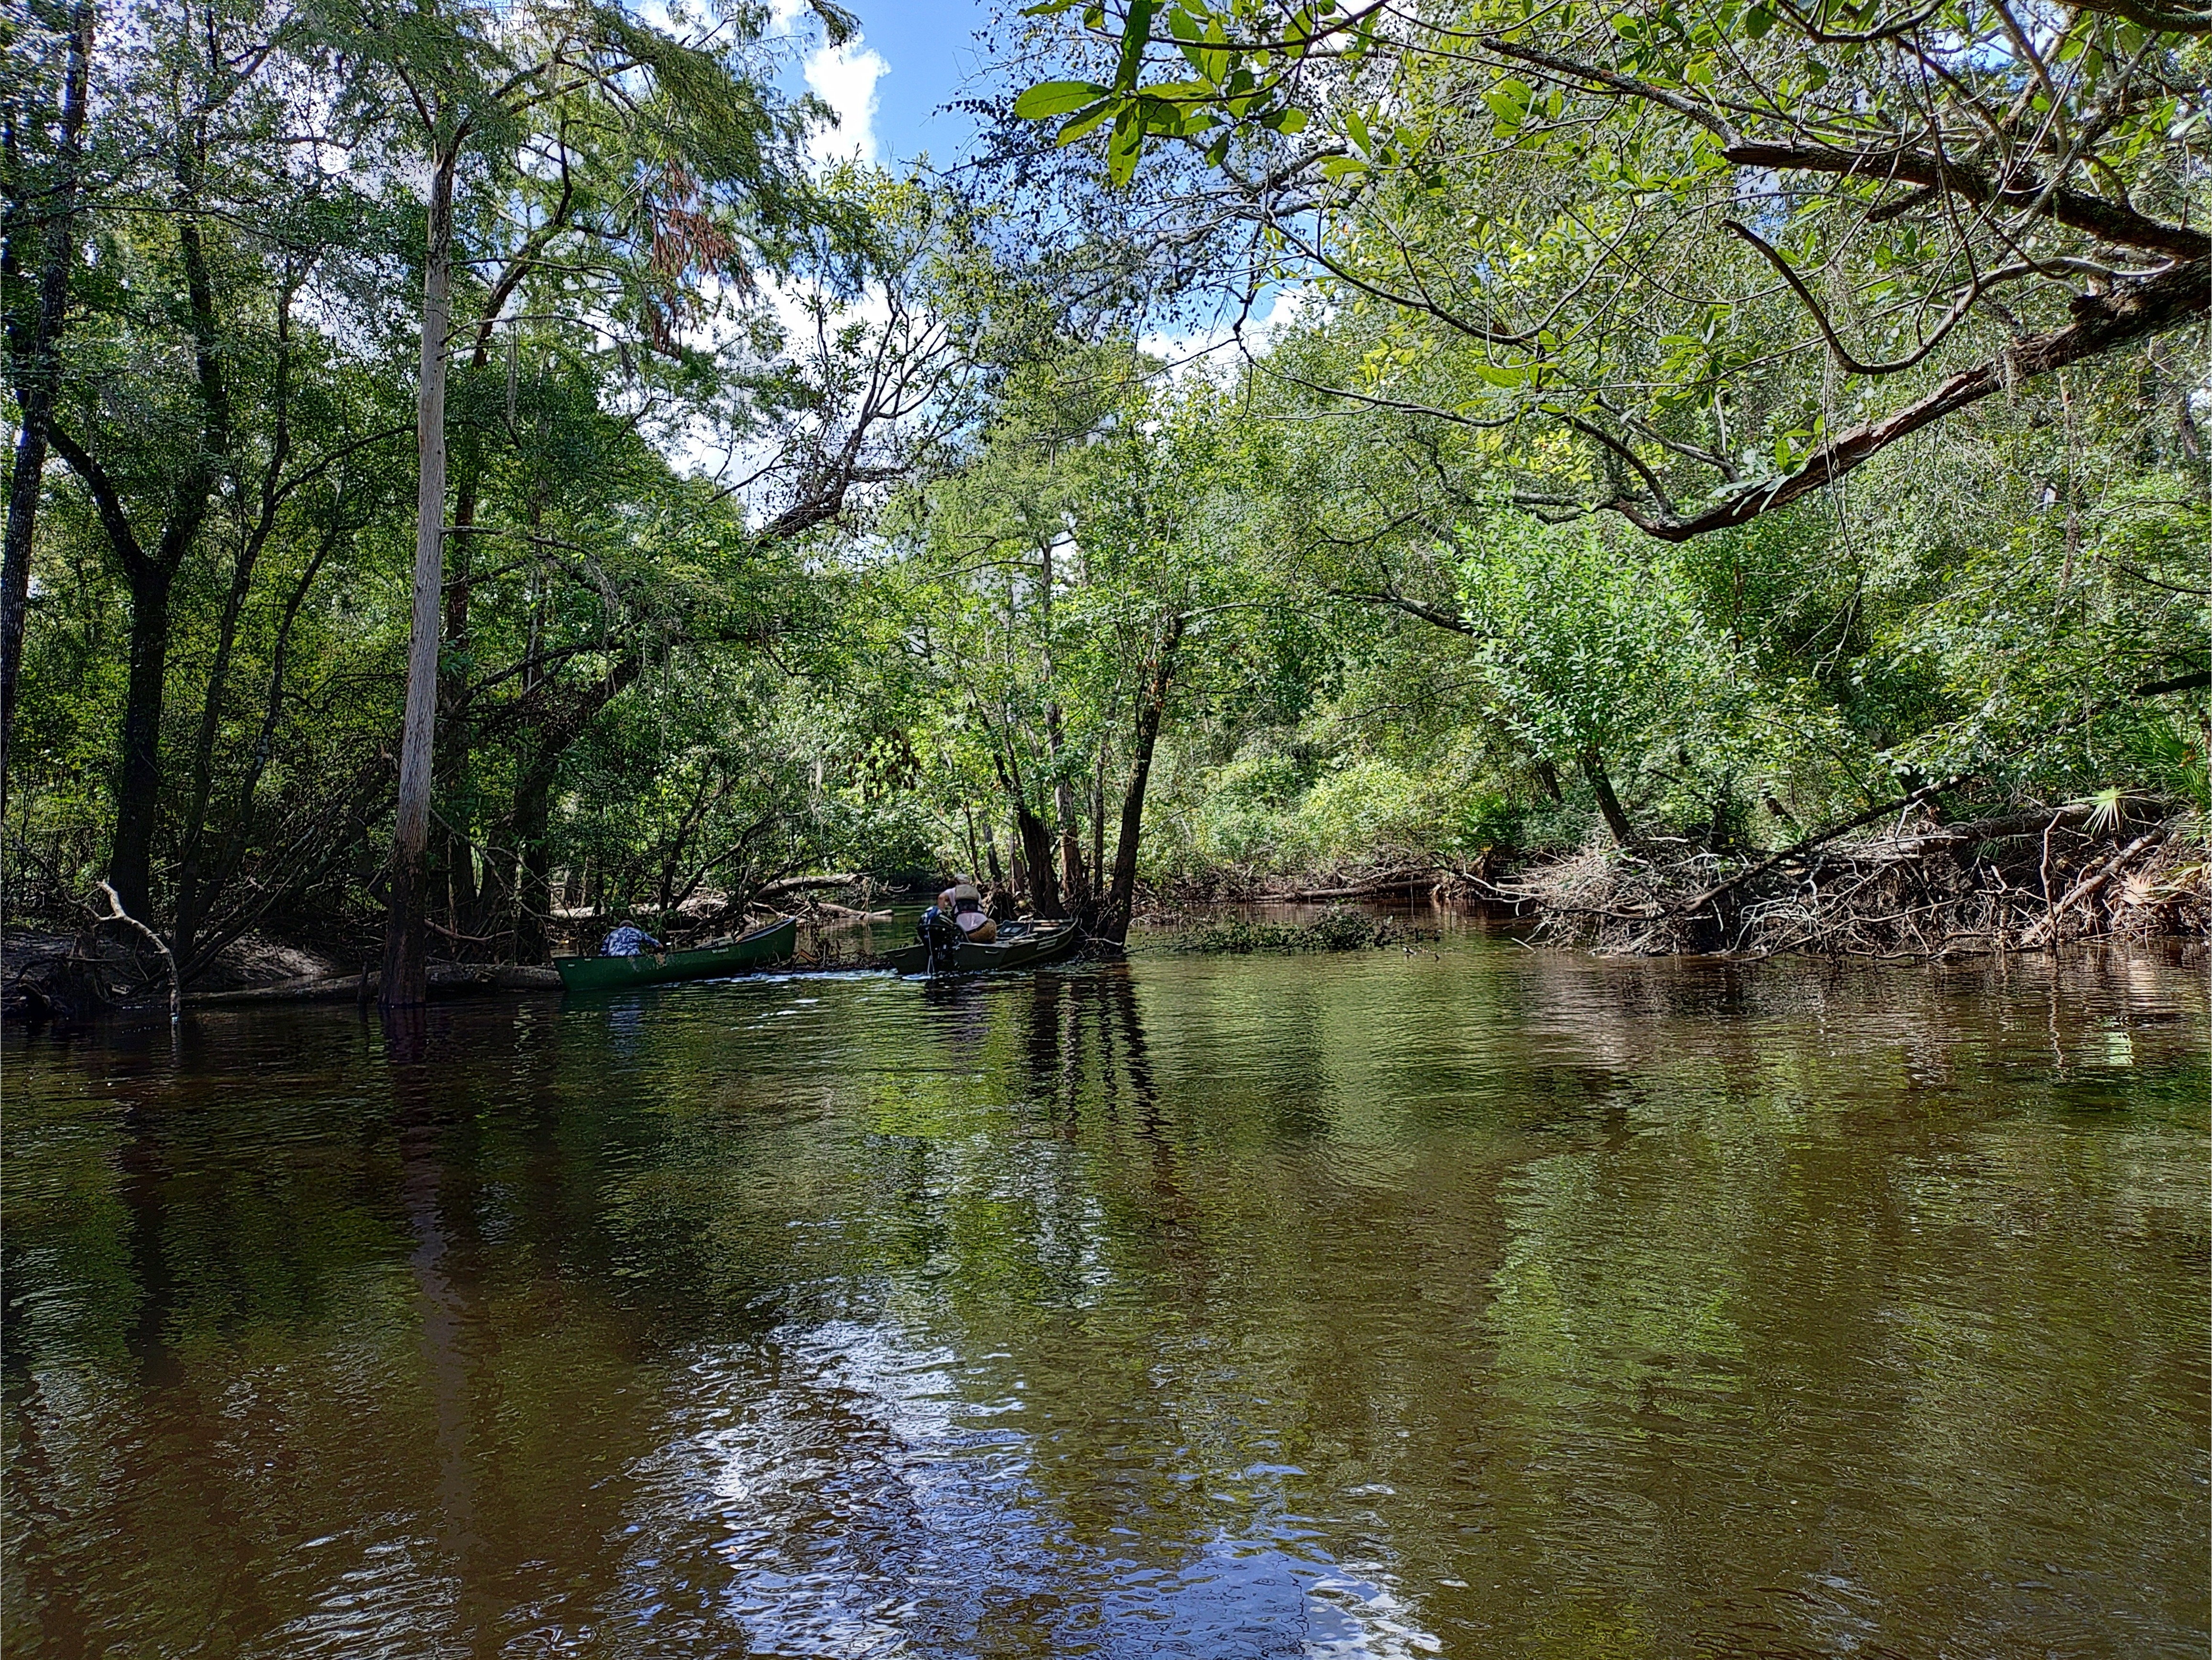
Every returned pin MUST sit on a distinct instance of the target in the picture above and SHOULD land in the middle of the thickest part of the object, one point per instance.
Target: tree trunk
(406, 968)
(1548, 776)
(975, 851)
(192, 893)
(1037, 851)
(534, 894)
(137, 796)
(138, 781)
(35, 380)
(1032, 850)
(137, 789)
(1112, 923)
(1593, 768)
(1099, 818)
(264, 749)
(453, 741)
(1075, 881)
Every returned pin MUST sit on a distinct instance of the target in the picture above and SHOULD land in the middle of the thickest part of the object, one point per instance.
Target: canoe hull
(773, 944)
(969, 957)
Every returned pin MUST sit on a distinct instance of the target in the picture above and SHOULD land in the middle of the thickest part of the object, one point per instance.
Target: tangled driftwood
(2024, 881)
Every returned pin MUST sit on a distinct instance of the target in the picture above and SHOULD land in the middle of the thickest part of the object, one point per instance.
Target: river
(1471, 1300)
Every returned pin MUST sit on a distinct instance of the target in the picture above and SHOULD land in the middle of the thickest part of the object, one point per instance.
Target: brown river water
(1477, 1302)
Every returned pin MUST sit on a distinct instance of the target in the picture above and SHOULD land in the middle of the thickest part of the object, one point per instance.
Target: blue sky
(887, 86)
(912, 56)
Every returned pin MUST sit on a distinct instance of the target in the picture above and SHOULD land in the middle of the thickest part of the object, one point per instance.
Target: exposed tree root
(2024, 882)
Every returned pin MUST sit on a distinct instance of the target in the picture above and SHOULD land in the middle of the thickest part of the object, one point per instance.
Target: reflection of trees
(352, 1306)
(1682, 1261)
(1556, 1277)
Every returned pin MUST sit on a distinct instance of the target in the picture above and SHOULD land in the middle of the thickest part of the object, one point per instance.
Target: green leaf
(1123, 149)
(1509, 106)
(1757, 21)
(1135, 35)
(1085, 122)
(1051, 98)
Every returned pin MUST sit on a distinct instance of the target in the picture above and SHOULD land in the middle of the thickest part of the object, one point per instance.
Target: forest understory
(1914, 889)
(477, 482)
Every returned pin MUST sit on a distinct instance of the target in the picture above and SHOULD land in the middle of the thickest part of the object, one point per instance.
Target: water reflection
(1473, 1304)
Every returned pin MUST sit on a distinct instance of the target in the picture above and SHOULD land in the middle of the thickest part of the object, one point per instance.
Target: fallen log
(2045, 928)
(803, 884)
(1386, 883)
(308, 988)
(1691, 907)
(449, 980)
(1994, 830)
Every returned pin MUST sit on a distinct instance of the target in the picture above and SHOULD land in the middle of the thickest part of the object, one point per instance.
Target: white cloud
(844, 78)
(1179, 351)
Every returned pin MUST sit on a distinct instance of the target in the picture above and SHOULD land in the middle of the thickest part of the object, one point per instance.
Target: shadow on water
(1471, 1301)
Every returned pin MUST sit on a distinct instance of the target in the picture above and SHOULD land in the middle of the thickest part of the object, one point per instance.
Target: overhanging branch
(2101, 323)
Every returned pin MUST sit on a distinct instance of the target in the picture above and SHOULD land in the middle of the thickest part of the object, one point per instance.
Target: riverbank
(1907, 887)
(1917, 887)
(1893, 883)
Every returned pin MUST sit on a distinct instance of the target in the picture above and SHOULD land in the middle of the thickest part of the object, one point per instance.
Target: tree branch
(2102, 322)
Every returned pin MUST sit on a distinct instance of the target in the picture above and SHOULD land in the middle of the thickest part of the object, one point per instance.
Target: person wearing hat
(964, 904)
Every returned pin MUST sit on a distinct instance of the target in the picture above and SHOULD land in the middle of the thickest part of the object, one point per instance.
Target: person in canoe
(628, 939)
(964, 904)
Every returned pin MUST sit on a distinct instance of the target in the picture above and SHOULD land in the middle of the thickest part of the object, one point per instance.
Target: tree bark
(192, 892)
(1033, 846)
(1113, 923)
(36, 375)
(138, 783)
(1099, 821)
(1601, 783)
(1036, 850)
(1074, 891)
(405, 982)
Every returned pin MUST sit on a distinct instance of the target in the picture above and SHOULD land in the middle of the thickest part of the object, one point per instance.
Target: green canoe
(772, 944)
(1040, 943)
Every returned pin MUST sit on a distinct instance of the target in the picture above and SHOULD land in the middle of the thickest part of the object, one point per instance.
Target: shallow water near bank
(1466, 1300)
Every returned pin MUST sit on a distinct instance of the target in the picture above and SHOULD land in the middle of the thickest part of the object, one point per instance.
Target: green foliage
(1693, 259)
(1336, 929)
(928, 564)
